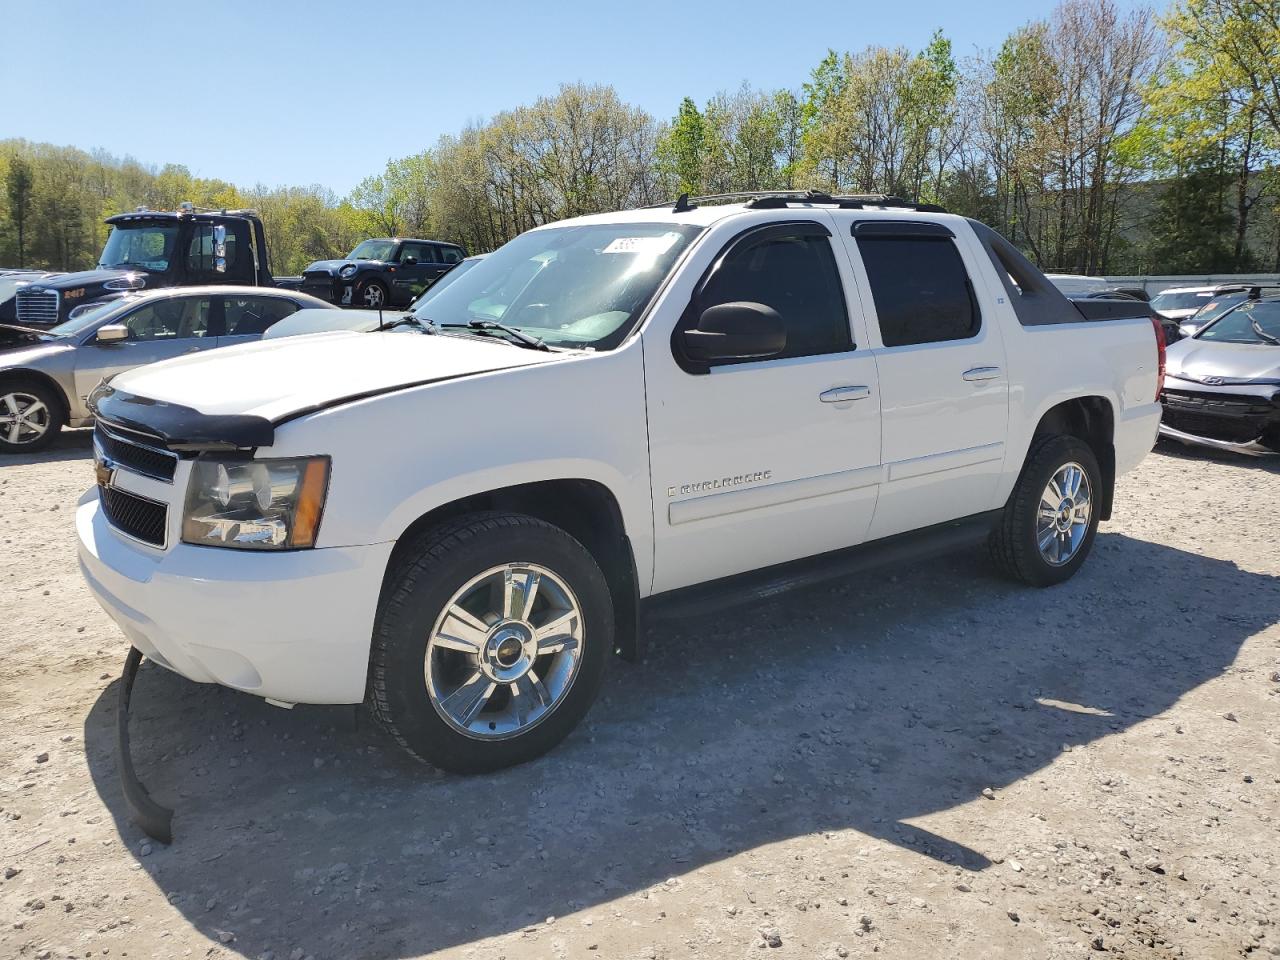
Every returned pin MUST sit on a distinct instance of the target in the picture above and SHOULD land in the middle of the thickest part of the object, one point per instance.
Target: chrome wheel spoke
(461, 631)
(11, 404)
(520, 590)
(469, 699)
(15, 432)
(557, 633)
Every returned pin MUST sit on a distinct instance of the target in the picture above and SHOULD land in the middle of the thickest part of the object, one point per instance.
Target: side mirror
(736, 331)
(1187, 329)
(408, 261)
(220, 248)
(112, 333)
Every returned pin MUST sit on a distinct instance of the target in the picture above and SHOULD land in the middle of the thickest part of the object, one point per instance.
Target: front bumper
(293, 627)
(329, 288)
(1224, 417)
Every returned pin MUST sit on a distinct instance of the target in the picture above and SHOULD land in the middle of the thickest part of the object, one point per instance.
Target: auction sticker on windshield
(651, 246)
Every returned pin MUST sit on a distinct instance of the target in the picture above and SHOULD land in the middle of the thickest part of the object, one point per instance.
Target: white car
(1183, 303)
(458, 521)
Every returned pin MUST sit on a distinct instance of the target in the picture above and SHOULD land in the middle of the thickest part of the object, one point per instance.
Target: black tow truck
(147, 249)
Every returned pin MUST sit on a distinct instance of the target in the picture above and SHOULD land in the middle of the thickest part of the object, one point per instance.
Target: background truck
(148, 249)
(460, 518)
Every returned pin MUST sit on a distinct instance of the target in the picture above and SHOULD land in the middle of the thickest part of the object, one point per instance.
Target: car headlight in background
(256, 504)
(347, 272)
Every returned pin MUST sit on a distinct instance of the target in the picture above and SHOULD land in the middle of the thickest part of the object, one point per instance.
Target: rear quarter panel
(1048, 365)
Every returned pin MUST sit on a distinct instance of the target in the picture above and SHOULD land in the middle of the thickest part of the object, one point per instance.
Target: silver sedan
(46, 375)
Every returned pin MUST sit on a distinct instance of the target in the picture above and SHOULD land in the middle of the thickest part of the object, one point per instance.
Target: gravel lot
(917, 763)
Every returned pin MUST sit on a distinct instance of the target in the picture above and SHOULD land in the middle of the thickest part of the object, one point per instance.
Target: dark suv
(384, 272)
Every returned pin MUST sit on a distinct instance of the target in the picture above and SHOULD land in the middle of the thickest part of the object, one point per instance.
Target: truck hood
(1193, 359)
(274, 380)
(82, 278)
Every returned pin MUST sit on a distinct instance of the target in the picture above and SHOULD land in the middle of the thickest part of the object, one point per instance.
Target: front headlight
(347, 272)
(255, 504)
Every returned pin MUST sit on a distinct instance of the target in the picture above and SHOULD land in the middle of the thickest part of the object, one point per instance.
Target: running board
(754, 585)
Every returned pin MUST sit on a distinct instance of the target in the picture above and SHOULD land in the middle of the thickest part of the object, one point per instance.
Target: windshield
(88, 317)
(1181, 301)
(1218, 306)
(147, 246)
(582, 286)
(373, 250)
(1252, 322)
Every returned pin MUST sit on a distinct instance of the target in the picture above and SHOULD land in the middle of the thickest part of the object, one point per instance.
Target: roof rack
(777, 199)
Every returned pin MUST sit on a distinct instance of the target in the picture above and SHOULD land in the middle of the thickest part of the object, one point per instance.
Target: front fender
(396, 457)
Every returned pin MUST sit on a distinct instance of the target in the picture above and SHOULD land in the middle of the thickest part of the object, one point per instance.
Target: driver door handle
(838, 394)
(980, 373)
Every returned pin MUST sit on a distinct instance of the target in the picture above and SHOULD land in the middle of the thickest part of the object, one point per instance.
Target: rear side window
(796, 276)
(921, 289)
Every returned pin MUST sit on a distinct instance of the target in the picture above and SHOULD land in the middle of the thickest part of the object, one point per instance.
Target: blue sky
(283, 92)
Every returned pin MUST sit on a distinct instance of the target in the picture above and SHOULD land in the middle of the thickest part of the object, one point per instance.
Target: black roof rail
(777, 199)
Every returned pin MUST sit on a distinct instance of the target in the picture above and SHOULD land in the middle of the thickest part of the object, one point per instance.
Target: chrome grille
(37, 306)
(127, 452)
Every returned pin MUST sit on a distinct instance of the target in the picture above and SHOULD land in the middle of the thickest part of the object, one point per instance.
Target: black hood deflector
(181, 428)
(186, 429)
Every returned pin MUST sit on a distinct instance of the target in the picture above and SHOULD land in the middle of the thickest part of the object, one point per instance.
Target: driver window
(200, 263)
(169, 319)
(795, 275)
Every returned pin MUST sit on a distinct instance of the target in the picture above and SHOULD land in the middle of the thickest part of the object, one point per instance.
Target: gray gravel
(918, 763)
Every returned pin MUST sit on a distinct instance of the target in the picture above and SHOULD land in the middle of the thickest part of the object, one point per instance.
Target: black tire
(377, 286)
(422, 583)
(1013, 542)
(19, 389)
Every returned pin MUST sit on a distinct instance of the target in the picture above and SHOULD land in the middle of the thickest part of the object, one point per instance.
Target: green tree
(683, 149)
(1191, 227)
(19, 182)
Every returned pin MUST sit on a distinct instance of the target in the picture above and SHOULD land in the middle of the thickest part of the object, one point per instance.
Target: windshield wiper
(518, 337)
(1262, 333)
(423, 324)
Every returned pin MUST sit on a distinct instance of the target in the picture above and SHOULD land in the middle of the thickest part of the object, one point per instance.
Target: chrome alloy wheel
(505, 651)
(23, 418)
(1063, 518)
(372, 296)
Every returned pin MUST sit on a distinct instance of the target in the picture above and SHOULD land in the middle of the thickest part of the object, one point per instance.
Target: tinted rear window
(921, 290)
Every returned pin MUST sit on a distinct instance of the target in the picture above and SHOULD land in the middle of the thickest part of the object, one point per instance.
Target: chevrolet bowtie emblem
(103, 471)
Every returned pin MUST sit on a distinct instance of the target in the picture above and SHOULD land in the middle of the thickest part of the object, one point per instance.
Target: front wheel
(1051, 519)
(491, 642)
(30, 417)
(373, 295)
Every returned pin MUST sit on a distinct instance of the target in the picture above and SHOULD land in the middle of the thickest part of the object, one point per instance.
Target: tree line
(1097, 140)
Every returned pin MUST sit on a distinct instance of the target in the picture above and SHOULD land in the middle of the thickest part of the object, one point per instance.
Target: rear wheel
(30, 417)
(1051, 519)
(491, 642)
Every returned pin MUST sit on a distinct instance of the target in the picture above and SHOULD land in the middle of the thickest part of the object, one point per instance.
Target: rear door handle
(981, 373)
(837, 394)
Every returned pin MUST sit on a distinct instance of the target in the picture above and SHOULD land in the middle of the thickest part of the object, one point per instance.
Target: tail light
(1160, 351)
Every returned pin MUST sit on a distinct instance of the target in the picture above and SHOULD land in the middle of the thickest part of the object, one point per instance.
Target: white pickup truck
(459, 520)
